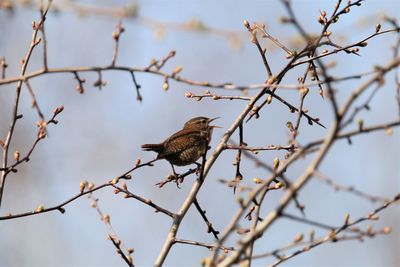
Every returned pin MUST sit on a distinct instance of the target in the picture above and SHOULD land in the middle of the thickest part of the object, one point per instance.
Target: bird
(187, 145)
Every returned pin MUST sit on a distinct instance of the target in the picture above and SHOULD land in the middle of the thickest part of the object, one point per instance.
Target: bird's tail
(153, 147)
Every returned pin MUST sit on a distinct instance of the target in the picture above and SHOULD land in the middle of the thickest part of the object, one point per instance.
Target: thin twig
(116, 35)
(148, 202)
(365, 106)
(201, 244)
(210, 228)
(216, 97)
(350, 189)
(43, 32)
(34, 100)
(238, 159)
(137, 87)
(260, 148)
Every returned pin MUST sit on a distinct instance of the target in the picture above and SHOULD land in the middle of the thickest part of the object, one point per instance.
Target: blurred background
(100, 132)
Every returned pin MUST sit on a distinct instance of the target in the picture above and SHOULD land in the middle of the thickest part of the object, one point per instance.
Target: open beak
(213, 119)
(214, 126)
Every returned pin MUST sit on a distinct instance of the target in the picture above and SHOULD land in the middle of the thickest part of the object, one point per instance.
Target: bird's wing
(175, 145)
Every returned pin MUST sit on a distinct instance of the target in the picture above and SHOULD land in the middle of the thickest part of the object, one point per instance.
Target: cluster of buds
(84, 184)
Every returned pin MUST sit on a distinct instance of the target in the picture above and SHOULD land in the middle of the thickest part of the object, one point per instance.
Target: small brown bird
(187, 145)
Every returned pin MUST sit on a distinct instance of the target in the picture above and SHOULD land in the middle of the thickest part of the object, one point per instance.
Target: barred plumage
(187, 145)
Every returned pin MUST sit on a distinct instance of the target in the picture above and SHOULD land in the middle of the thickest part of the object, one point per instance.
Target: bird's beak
(214, 126)
(210, 120)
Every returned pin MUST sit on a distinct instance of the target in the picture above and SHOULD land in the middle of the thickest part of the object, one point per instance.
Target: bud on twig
(137, 162)
(377, 28)
(346, 218)
(165, 86)
(91, 186)
(290, 126)
(246, 24)
(278, 185)
(115, 180)
(16, 155)
(257, 180)
(39, 208)
(82, 186)
(177, 70)
(276, 164)
(387, 230)
(58, 110)
(360, 124)
(312, 235)
(298, 238)
(269, 99)
(106, 219)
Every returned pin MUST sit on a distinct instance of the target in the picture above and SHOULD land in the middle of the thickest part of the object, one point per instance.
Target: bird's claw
(177, 178)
